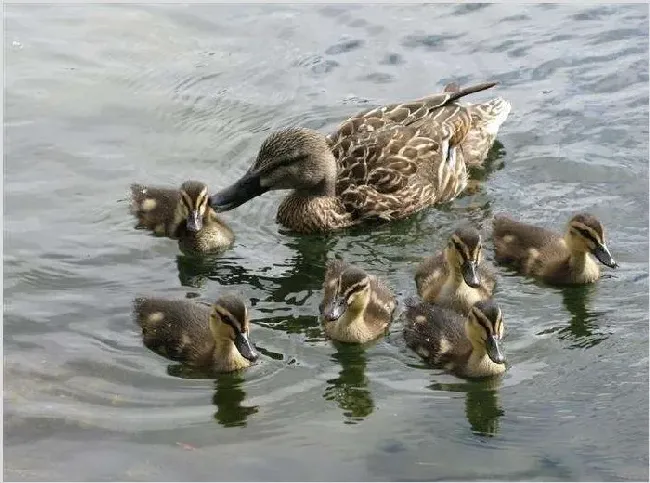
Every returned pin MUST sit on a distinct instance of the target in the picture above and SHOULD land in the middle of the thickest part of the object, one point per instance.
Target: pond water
(100, 96)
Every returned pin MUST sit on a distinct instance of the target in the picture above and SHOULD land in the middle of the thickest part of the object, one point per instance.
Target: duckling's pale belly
(356, 330)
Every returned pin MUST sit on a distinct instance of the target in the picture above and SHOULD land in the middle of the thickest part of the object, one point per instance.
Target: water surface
(98, 97)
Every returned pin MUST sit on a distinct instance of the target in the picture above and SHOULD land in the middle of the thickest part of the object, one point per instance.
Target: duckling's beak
(493, 350)
(470, 274)
(245, 347)
(194, 221)
(246, 188)
(601, 252)
(335, 309)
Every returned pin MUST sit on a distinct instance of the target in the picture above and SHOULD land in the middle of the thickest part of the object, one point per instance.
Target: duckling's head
(464, 253)
(485, 328)
(352, 293)
(229, 321)
(194, 201)
(294, 158)
(586, 234)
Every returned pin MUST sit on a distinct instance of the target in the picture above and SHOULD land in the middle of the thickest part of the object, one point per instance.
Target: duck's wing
(401, 114)
(486, 119)
(514, 240)
(391, 173)
(155, 208)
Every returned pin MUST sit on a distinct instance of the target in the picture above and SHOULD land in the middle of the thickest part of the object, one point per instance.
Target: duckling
(486, 119)
(456, 277)
(356, 307)
(545, 254)
(379, 165)
(198, 334)
(466, 345)
(183, 215)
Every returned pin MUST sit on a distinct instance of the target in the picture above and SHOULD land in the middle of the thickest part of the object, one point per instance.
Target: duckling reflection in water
(465, 345)
(182, 215)
(456, 277)
(356, 307)
(545, 254)
(212, 336)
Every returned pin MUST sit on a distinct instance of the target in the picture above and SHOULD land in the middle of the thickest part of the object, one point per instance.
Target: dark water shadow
(582, 330)
(308, 325)
(306, 269)
(229, 394)
(483, 408)
(350, 388)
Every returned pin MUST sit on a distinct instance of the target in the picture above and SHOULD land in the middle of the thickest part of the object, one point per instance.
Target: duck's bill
(245, 347)
(334, 309)
(194, 222)
(470, 274)
(243, 190)
(601, 252)
(494, 351)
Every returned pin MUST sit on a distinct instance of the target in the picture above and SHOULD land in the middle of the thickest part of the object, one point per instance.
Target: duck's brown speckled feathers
(435, 333)
(394, 160)
(176, 329)
(485, 120)
(156, 209)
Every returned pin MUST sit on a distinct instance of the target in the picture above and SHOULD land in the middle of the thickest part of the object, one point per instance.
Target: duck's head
(464, 252)
(484, 328)
(194, 203)
(586, 234)
(229, 321)
(294, 158)
(352, 293)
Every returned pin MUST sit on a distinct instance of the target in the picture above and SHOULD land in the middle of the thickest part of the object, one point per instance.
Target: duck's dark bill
(602, 254)
(248, 187)
(470, 274)
(335, 309)
(245, 347)
(194, 221)
(494, 351)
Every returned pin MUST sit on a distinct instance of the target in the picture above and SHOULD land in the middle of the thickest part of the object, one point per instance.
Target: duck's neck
(351, 327)
(226, 356)
(583, 267)
(326, 187)
(455, 275)
(479, 363)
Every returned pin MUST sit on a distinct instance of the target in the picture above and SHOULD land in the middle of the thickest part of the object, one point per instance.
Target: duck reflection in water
(350, 388)
(482, 406)
(583, 327)
(229, 394)
(305, 272)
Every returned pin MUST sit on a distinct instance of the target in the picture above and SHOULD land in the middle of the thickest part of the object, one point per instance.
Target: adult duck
(383, 164)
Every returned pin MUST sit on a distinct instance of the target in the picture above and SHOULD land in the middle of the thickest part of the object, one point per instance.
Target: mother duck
(382, 164)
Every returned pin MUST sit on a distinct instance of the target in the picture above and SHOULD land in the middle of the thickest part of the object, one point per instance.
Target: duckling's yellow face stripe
(464, 252)
(352, 290)
(187, 201)
(199, 204)
(589, 234)
(229, 319)
(492, 328)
